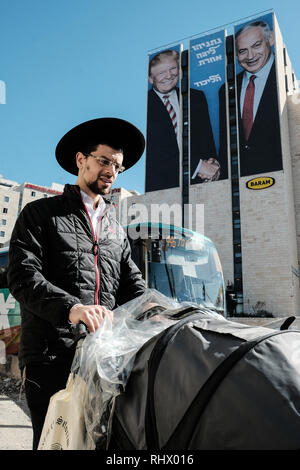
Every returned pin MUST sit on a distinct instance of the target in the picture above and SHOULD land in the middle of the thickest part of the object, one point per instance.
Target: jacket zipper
(95, 253)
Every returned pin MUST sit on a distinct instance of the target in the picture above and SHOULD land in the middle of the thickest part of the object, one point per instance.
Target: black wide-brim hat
(116, 133)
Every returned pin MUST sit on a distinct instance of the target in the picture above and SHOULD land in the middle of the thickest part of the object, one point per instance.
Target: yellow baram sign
(261, 182)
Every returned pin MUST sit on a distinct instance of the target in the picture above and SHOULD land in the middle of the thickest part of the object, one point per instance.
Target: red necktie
(171, 112)
(248, 107)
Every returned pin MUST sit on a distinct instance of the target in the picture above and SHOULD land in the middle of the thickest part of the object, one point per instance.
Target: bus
(10, 318)
(179, 263)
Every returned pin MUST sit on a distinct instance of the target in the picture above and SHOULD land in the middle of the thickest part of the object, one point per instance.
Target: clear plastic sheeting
(104, 359)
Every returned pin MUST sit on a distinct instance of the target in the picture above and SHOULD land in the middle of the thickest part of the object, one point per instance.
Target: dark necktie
(171, 112)
(248, 107)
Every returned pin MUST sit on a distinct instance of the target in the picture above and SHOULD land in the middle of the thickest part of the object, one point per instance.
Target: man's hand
(91, 315)
(210, 170)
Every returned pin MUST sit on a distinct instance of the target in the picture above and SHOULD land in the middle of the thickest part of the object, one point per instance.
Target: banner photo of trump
(163, 120)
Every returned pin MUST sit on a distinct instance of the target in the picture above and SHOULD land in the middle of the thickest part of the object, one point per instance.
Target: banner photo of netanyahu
(207, 75)
(163, 120)
(257, 98)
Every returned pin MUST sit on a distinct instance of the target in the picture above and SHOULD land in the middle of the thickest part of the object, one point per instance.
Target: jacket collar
(72, 191)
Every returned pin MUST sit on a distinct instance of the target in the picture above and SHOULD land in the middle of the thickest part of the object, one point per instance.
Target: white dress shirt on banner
(260, 81)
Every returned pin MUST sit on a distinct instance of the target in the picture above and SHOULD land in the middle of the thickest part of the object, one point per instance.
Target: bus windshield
(185, 266)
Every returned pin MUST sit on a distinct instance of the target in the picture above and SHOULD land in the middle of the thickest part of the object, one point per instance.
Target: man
(164, 124)
(258, 114)
(69, 260)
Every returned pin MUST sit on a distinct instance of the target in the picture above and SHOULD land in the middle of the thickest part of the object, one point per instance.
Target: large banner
(163, 120)
(257, 98)
(207, 75)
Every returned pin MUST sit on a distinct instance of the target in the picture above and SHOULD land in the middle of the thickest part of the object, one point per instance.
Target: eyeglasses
(106, 162)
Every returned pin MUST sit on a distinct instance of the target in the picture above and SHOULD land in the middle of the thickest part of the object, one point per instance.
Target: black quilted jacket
(55, 262)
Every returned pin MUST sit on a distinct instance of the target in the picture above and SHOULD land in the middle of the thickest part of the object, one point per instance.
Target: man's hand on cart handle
(91, 315)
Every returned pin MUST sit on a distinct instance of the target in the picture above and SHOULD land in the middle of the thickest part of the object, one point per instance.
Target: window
(5, 210)
(237, 223)
(284, 56)
(3, 221)
(2, 234)
(286, 84)
(236, 235)
(6, 199)
(45, 195)
(235, 200)
(237, 268)
(237, 253)
(33, 193)
(234, 170)
(238, 282)
(233, 130)
(233, 147)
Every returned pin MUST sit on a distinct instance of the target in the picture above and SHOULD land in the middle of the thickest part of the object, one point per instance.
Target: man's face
(253, 50)
(164, 75)
(94, 177)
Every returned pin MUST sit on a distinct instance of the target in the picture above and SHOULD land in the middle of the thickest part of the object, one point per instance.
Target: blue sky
(67, 61)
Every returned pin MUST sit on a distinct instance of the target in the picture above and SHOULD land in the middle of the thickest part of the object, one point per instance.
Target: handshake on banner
(208, 170)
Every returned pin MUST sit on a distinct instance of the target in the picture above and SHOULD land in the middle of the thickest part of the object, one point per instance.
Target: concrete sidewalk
(15, 426)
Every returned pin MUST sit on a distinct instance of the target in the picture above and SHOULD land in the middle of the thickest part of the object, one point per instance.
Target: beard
(93, 186)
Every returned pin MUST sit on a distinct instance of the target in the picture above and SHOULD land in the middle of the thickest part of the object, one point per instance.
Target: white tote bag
(64, 427)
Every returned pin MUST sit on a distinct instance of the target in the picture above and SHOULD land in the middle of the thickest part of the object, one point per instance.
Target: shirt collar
(169, 93)
(88, 201)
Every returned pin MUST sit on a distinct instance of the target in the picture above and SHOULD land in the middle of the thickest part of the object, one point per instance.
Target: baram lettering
(259, 183)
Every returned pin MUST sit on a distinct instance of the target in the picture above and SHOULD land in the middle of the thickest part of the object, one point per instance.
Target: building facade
(251, 214)
(13, 197)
